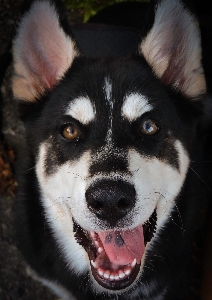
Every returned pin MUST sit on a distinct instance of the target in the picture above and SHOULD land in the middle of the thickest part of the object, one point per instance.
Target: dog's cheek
(157, 183)
(62, 196)
(173, 185)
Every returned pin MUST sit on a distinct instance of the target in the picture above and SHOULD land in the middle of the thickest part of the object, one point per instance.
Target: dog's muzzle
(115, 253)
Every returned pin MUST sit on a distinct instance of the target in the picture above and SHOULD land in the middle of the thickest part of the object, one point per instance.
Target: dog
(107, 201)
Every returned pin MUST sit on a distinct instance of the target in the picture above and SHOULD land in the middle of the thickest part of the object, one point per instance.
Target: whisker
(179, 215)
(149, 262)
(146, 267)
(159, 256)
(134, 289)
(28, 170)
(85, 279)
(200, 162)
(200, 178)
(143, 279)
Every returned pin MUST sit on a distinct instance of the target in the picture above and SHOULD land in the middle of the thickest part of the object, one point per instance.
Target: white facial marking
(82, 110)
(157, 184)
(108, 92)
(174, 186)
(108, 149)
(63, 197)
(134, 106)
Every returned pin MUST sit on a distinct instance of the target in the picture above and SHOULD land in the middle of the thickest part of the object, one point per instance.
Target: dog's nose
(110, 200)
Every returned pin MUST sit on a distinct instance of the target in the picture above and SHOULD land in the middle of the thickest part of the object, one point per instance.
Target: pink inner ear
(177, 57)
(42, 51)
(43, 54)
(173, 48)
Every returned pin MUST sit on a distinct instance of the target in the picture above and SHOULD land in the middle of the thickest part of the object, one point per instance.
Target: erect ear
(173, 48)
(42, 51)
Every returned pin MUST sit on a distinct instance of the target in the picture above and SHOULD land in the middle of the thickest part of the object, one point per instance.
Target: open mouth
(115, 255)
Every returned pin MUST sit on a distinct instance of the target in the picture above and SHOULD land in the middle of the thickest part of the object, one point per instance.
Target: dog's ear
(173, 48)
(42, 51)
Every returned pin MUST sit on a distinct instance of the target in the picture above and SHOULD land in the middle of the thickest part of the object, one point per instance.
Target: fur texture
(106, 200)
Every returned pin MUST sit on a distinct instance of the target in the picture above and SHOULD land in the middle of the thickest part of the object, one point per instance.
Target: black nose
(110, 200)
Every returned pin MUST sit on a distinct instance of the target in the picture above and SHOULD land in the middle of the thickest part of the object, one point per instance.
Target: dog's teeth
(112, 277)
(133, 263)
(121, 274)
(93, 264)
(100, 249)
(97, 244)
(100, 272)
(106, 274)
(92, 234)
(127, 271)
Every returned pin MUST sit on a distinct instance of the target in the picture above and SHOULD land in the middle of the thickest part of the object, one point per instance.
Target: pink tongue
(122, 247)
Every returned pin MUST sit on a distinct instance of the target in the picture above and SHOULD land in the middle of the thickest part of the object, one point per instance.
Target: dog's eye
(149, 127)
(70, 132)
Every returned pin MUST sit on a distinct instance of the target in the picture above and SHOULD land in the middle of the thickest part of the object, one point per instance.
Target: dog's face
(110, 140)
(108, 160)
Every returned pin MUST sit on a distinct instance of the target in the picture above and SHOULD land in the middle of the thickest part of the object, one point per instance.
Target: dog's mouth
(115, 255)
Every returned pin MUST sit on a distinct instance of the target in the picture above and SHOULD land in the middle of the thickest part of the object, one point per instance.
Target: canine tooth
(106, 274)
(93, 264)
(133, 263)
(121, 274)
(100, 249)
(97, 244)
(112, 277)
(100, 272)
(92, 234)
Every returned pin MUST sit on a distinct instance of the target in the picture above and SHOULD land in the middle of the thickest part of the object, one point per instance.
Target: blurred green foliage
(91, 7)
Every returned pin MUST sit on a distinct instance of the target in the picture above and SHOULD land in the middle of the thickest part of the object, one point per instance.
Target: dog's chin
(115, 255)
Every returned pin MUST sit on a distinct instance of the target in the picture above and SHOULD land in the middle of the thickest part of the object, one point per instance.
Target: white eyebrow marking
(134, 106)
(108, 93)
(82, 110)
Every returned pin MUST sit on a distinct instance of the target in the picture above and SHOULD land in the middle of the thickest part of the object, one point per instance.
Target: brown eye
(149, 127)
(70, 132)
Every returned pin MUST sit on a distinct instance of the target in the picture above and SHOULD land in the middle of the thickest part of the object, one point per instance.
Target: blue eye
(149, 127)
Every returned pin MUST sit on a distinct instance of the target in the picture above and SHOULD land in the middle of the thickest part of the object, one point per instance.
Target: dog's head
(110, 137)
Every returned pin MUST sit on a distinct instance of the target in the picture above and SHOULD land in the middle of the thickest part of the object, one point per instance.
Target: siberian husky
(107, 203)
